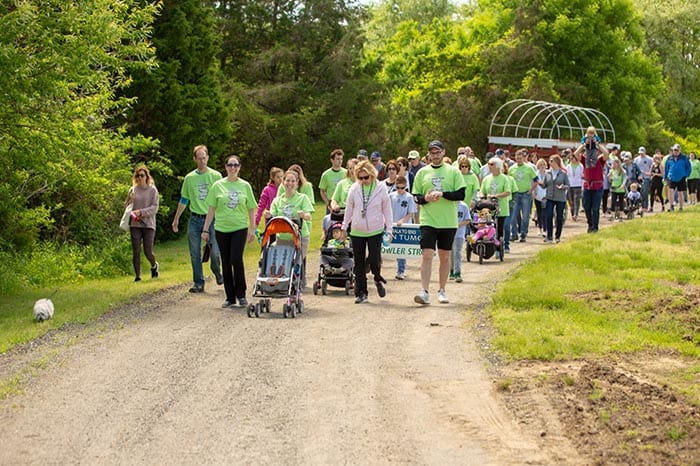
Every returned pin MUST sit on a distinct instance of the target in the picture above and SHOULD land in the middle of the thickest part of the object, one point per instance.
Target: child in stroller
(336, 263)
(483, 240)
(633, 201)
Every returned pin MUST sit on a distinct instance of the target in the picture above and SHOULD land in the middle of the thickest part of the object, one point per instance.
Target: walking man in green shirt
(438, 188)
(194, 192)
(331, 177)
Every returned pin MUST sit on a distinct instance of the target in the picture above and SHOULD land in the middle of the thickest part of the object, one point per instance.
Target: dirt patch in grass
(614, 412)
(678, 307)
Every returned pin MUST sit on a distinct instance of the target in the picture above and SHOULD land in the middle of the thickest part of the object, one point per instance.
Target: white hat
(641, 150)
(413, 155)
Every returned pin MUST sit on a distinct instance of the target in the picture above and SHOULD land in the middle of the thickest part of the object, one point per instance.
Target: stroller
(336, 265)
(632, 207)
(279, 269)
(479, 243)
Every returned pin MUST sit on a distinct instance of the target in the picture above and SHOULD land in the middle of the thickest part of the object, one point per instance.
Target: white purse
(124, 223)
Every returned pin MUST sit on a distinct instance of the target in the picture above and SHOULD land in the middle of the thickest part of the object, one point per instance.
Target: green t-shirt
(340, 195)
(694, 169)
(289, 207)
(471, 183)
(492, 185)
(476, 165)
(232, 202)
(524, 175)
(330, 179)
(513, 189)
(196, 187)
(445, 178)
(307, 189)
(617, 181)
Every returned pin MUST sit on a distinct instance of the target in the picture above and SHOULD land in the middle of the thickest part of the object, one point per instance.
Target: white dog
(43, 309)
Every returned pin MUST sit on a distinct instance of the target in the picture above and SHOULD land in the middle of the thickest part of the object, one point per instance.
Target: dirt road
(175, 379)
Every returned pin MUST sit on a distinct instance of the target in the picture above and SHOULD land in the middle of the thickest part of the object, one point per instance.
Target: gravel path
(182, 381)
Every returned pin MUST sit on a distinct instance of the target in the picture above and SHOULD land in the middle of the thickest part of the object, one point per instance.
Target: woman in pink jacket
(368, 213)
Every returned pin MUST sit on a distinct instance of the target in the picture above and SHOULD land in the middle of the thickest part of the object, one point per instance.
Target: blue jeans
(400, 265)
(456, 254)
(591, 206)
(549, 218)
(520, 215)
(646, 185)
(194, 237)
(506, 227)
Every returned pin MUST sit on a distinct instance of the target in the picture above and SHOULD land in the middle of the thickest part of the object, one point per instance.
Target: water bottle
(386, 240)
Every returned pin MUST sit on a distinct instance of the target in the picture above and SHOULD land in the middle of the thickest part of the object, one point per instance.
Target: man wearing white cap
(415, 164)
(643, 163)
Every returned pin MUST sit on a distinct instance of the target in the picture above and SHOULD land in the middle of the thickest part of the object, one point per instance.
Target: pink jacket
(269, 193)
(378, 215)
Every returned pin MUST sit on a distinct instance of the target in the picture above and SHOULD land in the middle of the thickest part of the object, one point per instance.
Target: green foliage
(62, 164)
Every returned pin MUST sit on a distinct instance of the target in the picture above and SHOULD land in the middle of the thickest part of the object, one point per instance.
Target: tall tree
(62, 63)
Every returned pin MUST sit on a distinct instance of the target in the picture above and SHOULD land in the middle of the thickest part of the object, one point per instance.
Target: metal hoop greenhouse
(546, 125)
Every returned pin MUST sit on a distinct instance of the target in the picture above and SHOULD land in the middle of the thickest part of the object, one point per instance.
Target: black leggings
(232, 246)
(656, 190)
(373, 246)
(146, 236)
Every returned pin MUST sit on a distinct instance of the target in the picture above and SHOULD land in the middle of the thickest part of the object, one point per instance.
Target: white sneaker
(422, 297)
(400, 276)
(442, 297)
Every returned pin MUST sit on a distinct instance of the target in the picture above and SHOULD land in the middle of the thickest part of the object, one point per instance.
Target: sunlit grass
(632, 287)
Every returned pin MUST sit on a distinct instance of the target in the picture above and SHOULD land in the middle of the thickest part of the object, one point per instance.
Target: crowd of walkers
(433, 191)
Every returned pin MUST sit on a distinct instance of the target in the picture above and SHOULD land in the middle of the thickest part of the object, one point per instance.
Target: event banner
(406, 242)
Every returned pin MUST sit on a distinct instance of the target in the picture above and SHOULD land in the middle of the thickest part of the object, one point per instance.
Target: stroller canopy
(277, 225)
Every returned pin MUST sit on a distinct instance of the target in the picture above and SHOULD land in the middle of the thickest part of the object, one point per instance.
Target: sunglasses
(461, 153)
(392, 168)
(140, 175)
(401, 187)
(465, 166)
(363, 178)
(233, 165)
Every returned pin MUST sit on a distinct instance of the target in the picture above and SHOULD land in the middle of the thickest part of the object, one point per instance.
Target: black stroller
(336, 265)
(279, 270)
(484, 244)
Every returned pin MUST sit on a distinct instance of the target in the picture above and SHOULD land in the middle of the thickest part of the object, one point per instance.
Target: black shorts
(679, 185)
(429, 236)
(693, 185)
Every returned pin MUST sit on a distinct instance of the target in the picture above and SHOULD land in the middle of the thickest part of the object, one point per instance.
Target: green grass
(629, 288)
(86, 300)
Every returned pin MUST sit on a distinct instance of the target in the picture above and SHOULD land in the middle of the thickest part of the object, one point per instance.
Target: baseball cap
(499, 152)
(436, 145)
(362, 153)
(376, 155)
(337, 226)
(626, 156)
(641, 150)
(413, 155)
(676, 147)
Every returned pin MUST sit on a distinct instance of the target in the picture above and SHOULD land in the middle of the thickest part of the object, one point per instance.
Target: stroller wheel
(348, 285)
(268, 305)
(469, 252)
(249, 310)
(293, 310)
(257, 309)
(315, 288)
(285, 310)
(301, 307)
(324, 287)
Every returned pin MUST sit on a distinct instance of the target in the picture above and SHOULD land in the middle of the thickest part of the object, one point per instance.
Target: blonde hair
(367, 167)
(144, 169)
(590, 130)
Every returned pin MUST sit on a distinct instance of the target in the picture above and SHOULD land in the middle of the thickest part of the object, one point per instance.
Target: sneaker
(197, 289)
(522, 240)
(422, 297)
(154, 270)
(557, 240)
(442, 297)
(228, 303)
(242, 302)
(506, 249)
(220, 280)
(458, 277)
(547, 240)
(452, 276)
(381, 291)
(401, 276)
(137, 279)
(362, 299)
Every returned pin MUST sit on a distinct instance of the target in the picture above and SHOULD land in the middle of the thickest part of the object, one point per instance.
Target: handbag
(126, 217)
